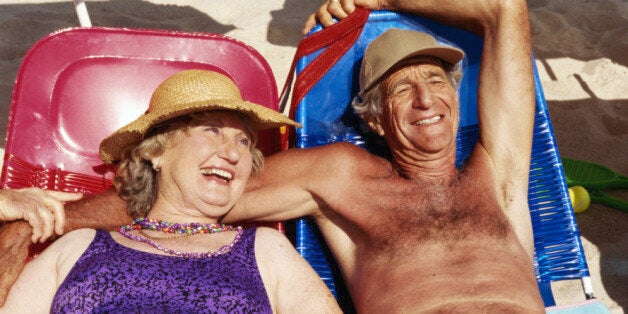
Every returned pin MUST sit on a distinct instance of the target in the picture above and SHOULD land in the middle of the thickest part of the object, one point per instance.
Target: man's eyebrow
(435, 71)
(396, 83)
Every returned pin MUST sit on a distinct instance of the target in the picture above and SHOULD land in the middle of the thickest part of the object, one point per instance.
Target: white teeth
(428, 121)
(226, 175)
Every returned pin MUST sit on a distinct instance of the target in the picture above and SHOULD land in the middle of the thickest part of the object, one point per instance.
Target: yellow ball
(580, 199)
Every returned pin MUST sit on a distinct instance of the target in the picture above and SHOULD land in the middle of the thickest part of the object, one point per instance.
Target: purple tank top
(109, 277)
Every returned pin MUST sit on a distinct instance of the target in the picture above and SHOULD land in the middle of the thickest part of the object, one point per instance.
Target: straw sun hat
(187, 92)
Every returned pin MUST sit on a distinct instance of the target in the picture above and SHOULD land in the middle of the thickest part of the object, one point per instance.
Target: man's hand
(42, 209)
(338, 9)
(14, 243)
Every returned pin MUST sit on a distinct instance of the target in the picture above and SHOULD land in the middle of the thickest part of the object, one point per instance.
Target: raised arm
(505, 100)
(506, 83)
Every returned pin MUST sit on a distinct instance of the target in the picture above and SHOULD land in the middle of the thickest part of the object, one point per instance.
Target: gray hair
(136, 180)
(369, 105)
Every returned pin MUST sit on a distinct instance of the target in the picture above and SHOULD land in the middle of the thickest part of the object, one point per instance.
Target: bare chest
(405, 215)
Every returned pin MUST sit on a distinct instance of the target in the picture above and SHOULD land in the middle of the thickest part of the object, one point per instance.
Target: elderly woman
(181, 166)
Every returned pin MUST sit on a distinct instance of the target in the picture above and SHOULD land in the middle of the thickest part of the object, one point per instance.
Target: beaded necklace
(174, 236)
(183, 229)
(178, 228)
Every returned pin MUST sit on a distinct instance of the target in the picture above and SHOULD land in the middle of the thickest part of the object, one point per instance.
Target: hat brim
(112, 147)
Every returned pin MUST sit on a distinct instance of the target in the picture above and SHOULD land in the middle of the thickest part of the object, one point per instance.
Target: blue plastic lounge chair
(327, 117)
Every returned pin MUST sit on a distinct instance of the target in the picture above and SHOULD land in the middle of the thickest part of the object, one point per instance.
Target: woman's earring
(157, 166)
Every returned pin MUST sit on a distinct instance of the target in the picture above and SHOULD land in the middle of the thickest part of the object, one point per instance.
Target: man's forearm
(101, 211)
(14, 242)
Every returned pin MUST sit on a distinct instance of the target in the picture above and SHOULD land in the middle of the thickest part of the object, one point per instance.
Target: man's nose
(423, 98)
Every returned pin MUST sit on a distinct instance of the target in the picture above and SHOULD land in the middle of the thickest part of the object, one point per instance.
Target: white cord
(81, 12)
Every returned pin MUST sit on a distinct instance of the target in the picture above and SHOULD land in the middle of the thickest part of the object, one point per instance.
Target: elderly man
(415, 234)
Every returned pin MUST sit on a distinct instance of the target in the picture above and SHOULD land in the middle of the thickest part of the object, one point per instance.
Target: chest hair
(422, 213)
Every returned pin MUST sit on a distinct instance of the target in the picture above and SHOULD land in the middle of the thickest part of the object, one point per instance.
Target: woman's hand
(42, 209)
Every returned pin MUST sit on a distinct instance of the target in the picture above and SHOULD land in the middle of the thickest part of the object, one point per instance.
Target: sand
(581, 55)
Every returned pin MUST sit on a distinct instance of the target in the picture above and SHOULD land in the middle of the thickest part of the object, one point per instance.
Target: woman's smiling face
(207, 167)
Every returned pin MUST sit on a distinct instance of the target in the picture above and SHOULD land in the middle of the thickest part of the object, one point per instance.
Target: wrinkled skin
(14, 243)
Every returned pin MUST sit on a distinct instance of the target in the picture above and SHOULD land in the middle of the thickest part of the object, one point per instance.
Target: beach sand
(581, 55)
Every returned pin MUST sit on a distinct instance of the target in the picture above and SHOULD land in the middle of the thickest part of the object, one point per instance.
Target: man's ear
(375, 125)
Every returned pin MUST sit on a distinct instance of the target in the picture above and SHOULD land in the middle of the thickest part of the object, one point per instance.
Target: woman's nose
(229, 152)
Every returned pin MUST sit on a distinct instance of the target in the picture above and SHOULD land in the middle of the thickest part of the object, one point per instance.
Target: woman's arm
(36, 286)
(104, 211)
(292, 285)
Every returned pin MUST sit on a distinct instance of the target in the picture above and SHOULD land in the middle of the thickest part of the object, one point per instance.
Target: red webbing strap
(338, 39)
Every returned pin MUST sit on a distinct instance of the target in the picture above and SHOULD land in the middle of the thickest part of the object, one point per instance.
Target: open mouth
(428, 121)
(225, 175)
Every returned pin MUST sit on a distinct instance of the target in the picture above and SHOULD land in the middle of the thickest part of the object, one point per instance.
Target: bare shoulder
(66, 250)
(310, 162)
(83, 234)
(272, 246)
(349, 157)
(270, 239)
(74, 240)
(343, 149)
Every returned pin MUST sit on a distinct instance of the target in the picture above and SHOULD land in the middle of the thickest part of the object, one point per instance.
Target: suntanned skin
(104, 211)
(185, 193)
(414, 234)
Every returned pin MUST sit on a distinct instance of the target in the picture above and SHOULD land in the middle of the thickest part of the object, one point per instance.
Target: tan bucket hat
(187, 92)
(396, 45)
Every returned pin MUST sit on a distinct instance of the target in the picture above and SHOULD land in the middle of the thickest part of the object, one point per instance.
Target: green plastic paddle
(594, 178)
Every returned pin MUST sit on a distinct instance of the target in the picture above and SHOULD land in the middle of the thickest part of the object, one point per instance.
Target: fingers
(309, 24)
(42, 222)
(328, 13)
(334, 11)
(56, 207)
(42, 209)
(50, 218)
(64, 196)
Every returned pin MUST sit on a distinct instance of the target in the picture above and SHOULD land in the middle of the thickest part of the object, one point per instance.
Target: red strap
(338, 39)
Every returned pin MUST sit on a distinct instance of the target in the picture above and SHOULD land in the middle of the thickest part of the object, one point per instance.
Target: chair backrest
(78, 85)
(327, 117)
